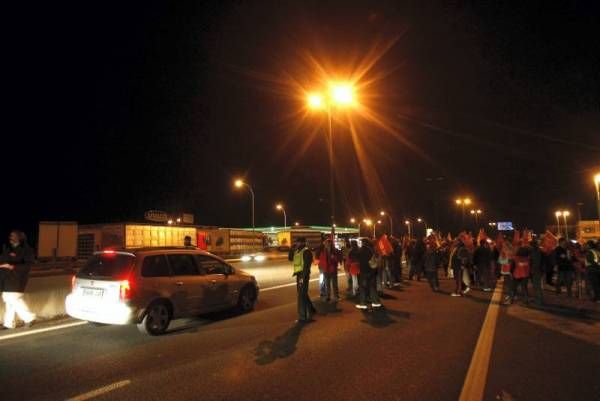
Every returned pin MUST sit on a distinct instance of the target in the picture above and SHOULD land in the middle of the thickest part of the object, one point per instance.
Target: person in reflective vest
(301, 257)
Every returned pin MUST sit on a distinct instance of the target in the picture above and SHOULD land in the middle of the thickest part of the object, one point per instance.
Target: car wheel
(156, 320)
(246, 300)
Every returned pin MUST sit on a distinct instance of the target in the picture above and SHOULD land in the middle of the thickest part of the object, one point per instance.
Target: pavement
(421, 346)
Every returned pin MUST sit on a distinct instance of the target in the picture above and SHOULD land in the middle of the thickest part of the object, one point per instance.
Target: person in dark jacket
(367, 277)
(537, 270)
(301, 257)
(564, 267)
(15, 263)
(431, 264)
(482, 259)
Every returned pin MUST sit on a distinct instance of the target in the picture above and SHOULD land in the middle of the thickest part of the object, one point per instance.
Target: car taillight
(73, 282)
(125, 290)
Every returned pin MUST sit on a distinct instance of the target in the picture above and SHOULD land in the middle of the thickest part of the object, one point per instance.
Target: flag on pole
(384, 245)
(549, 242)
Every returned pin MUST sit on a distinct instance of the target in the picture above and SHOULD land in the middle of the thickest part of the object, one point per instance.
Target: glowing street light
(280, 207)
(382, 213)
(558, 213)
(340, 94)
(566, 214)
(462, 202)
(408, 224)
(297, 223)
(239, 184)
(476, 214)
(420, 220)
(354, 221)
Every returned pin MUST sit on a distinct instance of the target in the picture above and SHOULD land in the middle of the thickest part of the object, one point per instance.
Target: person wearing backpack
(301, 257)
(592, 261)
(368, 276)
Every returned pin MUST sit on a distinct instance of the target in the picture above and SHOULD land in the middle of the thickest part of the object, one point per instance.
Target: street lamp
(280, 207)
(339, 94)
(382, 213)
(297, 223)
(462, 202)
(353, 221)
(407, 222)
(239, 184)
(476, 214)
(420, 220)
(566, 214)
(597, 182)
(558, 213)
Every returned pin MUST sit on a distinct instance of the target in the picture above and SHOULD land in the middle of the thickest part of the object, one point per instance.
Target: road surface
(421, 346)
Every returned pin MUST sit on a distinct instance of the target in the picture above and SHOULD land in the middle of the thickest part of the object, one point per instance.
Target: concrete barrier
(45, 296)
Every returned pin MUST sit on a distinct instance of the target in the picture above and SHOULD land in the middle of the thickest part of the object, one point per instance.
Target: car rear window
(107, 265)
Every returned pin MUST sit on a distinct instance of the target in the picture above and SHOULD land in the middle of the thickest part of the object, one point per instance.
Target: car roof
(159, 250)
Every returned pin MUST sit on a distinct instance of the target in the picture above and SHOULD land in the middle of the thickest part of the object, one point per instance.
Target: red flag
(549, 242)
(527, 236)
(384, 246)
(449, 237)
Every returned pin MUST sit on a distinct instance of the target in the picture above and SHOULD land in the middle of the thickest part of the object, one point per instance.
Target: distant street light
(420, 220)
(280, 207)
(476, 214)
(408, 224)
(382, 213)
(297, 224)
(354, 221)
(558, 213)
(463, 202)
(239, 184)
(566, 214)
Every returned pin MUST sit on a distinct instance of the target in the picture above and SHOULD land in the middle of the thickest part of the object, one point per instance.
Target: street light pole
(239, 184)
(558, 214)
(280, 207)
(597, 182)
(382, 213)
(331, 176)
(566, 214)
(407, 222)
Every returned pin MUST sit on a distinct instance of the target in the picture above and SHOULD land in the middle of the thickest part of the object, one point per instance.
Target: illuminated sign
(156, 215)
(505, 226)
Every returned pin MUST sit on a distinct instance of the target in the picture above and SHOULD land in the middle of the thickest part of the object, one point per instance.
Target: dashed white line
(100, 391)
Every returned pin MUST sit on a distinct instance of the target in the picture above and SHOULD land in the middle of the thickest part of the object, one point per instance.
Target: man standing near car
(301, 257)
(15, 263)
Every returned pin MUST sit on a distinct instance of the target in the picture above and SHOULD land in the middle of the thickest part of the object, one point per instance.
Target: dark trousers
(536, 281)
(457, 280)
(416, 268)
(485, 272)
(305, 306)
(396, 269)
(594, 277)
(515, 284)
(432, 278)
(564, 278)
(331, 285)
(368, 288)
(549, 273)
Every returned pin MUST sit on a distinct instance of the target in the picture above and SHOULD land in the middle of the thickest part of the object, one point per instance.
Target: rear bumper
(108, 313)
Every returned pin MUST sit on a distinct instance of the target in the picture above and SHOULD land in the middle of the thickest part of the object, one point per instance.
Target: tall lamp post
(476, 214)
(408, 224)
(558, 213)
(340, 94)
(239, 184)
(463, 202)
(382, 213)
(566, 214)
(420, 220)
(354, 221)
(280, 207)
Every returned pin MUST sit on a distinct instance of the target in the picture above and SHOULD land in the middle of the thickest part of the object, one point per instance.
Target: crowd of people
(373, 264)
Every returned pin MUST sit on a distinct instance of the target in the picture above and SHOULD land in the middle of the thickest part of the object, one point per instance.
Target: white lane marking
(42, 330)
(474, 385)
(100, 391)
(282, 286)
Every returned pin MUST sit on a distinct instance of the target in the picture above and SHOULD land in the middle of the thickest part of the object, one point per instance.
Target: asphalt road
(419, 347)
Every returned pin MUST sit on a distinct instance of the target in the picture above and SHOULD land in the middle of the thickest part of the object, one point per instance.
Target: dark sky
(117, 108)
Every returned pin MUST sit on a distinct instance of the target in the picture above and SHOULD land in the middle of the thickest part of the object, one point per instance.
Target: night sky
(117, 108)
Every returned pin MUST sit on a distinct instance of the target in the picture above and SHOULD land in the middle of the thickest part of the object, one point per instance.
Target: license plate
(95, 293)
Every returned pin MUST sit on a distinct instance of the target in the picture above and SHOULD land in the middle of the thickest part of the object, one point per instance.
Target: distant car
(152, 286)
(253, 257)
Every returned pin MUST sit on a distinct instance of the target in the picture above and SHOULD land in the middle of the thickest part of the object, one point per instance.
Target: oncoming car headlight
(246, 258)
(259, 258)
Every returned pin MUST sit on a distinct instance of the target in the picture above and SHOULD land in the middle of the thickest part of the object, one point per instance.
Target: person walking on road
(354, 267)
(520, 274)
(431, 265)
(537, 270)
(564, 267)
(15, 262)
(368, 276)
(302, 258)
(459, 263)
(482, 259)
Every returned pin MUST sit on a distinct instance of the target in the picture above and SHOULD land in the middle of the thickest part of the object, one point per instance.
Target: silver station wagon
(152, 286)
